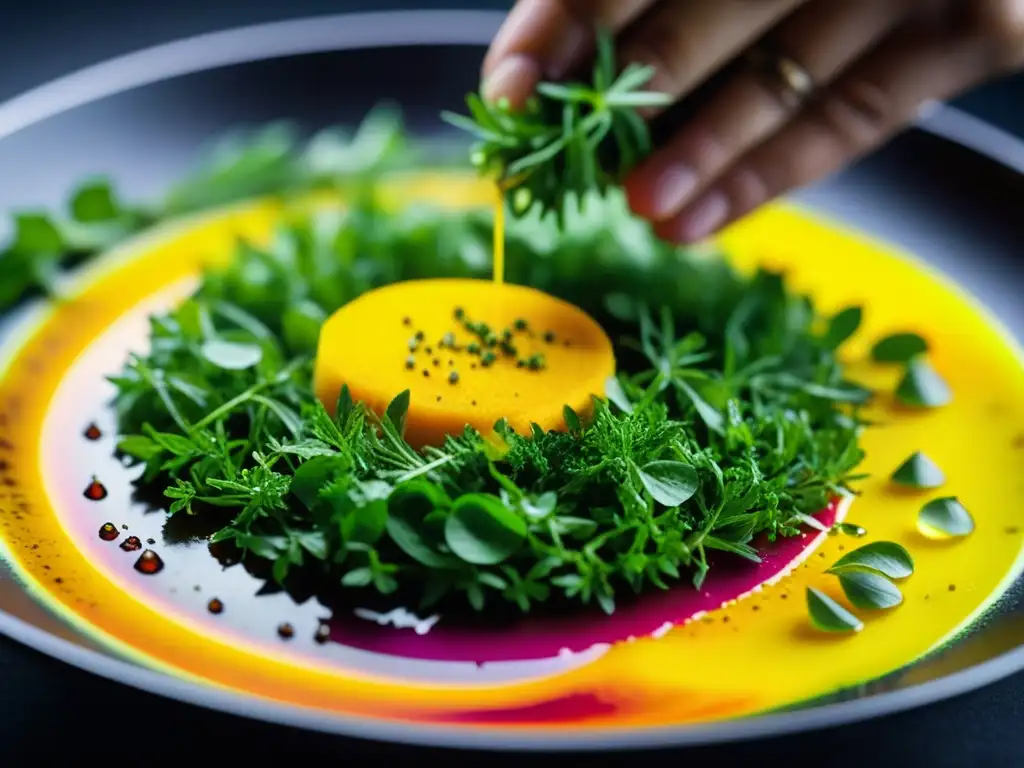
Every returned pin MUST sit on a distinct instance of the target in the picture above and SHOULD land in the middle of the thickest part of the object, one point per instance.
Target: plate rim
(350, 31)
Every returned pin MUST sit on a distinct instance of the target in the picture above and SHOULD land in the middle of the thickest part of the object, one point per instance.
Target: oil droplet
(109, 532)
(323, 634)
(95, 491)
(131, 544)
(215, 606)
(149, 562)
(851, 529)
(286, 631)
(93, 433)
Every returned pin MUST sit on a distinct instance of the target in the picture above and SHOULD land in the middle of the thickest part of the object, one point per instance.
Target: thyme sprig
(571, 139)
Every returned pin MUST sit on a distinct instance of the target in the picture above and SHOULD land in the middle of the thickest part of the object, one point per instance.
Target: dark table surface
(51, 712)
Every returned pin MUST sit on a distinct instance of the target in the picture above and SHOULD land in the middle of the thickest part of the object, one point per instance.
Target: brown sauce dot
(149, 563)
(215, 606)
(95, 491)
(286, 631)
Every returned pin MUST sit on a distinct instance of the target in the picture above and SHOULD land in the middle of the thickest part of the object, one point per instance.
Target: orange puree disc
(394, 339)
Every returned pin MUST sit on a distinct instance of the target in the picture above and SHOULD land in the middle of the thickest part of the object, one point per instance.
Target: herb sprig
(570, 140)
(270, 161)
(730, 418)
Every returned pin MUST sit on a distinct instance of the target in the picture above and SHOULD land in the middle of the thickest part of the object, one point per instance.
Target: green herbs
(270, 161)
(869, 591)
(730, 419)
(922, 387)
(884, 557)
(828, 615)
(899, 348)
(918, 471)
(570, 140)
(945, 518)
(865, 576)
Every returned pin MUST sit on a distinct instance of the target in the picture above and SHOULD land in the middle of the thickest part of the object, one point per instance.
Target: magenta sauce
(544, 637)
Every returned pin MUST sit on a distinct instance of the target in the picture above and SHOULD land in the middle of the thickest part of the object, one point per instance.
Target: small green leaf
(885, 557)
(365, 524)
(139, 447)
(232, 356)
(828, 615)
(572, 419)
(616, 394)
(918, 471)
(945, 517)
(899, 348)
(345, 404)
(869, 590)
(398, 412)
(176, 444)
(310, 478)
(483, 531)
(94, 201)
(360, 577)
(842, 326)
(922, 387)
(36, 233)
(301, 324)
(670, 483)
(408, 509)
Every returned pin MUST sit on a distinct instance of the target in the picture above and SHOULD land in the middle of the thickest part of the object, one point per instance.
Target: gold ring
(793, 81)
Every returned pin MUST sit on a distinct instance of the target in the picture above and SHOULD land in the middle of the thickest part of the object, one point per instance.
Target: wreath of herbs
(730, 418)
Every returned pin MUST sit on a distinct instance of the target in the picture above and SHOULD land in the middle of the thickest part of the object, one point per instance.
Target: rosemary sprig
(569, 140)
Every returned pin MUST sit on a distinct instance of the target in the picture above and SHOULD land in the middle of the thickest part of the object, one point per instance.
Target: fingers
(863, 107)
(822, 37)
(686, 41)
(545, 38)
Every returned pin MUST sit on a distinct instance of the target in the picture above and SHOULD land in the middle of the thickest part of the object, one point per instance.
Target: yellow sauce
(757, 654)
(499, 236)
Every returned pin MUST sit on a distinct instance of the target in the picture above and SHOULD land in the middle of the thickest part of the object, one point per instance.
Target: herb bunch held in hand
(569, 139)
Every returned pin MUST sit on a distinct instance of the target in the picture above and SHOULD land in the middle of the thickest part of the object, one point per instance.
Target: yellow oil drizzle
(499, 234)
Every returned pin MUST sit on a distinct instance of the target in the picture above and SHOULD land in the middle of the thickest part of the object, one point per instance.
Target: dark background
(50, 712)
(47, 38)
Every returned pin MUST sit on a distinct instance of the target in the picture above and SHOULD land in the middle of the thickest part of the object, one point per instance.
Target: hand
(829, 80)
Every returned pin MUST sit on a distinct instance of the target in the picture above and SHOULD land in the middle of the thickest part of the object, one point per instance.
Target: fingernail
(513, 78)
(671, 189)
(704, 217)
